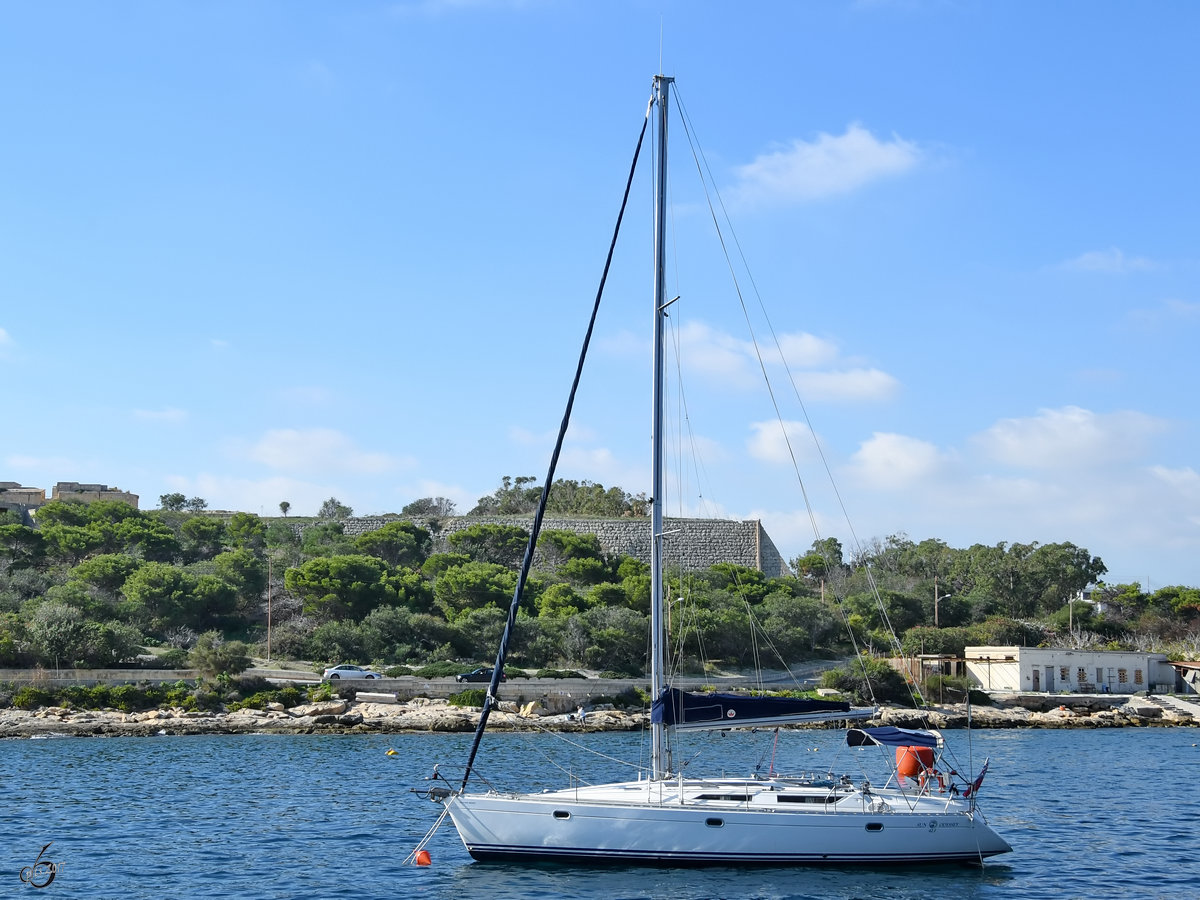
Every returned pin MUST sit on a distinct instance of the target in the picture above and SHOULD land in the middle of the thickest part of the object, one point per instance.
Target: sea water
(1090, 814)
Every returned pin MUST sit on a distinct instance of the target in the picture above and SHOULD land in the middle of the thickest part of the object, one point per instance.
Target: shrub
(470, 697)
(558, 673)
(397, 671)
(30, 697)
(442, 669)
(320, 692)
(175, 658)
(880, 684)
(128, 697)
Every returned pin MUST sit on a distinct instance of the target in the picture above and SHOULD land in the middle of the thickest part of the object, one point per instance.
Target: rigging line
(538, 727)
(778, 346)
(498, 670)
(697, 156)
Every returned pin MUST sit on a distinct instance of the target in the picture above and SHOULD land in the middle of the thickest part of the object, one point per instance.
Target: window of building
(1062, 673)
(1081, 675)
(1122, 676)
(1137, 676)
(1099, 675)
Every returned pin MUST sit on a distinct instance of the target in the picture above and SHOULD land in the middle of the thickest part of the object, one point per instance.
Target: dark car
(483, 673)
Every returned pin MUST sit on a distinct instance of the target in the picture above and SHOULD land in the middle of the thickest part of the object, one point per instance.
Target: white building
(1054, 670)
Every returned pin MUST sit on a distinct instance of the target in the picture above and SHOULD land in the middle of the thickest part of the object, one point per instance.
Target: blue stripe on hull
(498, 853)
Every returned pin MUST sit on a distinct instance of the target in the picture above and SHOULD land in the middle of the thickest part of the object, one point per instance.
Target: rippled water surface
(1111, 813)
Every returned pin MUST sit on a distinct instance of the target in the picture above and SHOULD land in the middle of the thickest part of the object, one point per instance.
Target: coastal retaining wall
(691, 544)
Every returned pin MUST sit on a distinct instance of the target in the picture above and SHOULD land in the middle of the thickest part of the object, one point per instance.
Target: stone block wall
(690, 543)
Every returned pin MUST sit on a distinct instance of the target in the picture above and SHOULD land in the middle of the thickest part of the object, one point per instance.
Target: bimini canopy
(699, 710)
(890, 736)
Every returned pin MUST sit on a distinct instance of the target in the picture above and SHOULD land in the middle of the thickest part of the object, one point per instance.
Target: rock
(1141, 709)
(328, 708)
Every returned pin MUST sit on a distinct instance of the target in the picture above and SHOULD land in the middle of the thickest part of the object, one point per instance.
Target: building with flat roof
(1055, 670)
(90, 493)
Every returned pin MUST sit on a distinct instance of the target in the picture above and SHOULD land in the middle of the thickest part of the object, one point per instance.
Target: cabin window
(1137, 676)
(561, 814)
(1122, 676)
(714, 823)
(874, 826)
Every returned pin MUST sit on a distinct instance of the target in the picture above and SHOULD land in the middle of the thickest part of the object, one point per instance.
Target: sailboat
(665, 818)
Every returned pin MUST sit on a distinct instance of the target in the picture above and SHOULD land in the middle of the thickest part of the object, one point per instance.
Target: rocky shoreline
(425, 715)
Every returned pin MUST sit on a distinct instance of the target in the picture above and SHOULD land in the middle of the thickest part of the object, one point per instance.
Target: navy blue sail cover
(890, 736)
(676, 707)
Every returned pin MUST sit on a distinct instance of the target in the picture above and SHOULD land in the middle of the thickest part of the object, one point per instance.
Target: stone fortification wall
(690, 543)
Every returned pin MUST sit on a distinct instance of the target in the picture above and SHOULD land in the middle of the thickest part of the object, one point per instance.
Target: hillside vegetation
(96, 584)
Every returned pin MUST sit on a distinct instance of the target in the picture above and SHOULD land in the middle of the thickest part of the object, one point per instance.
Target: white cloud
(1185, 479)
(767, 442)
(852, 384)
(1110, 260)
(807, 350)
(167, 414)
(824, 167)
(1169, 313)
(896, 461)
(734, 363)
(1069, 437)
(319, 450)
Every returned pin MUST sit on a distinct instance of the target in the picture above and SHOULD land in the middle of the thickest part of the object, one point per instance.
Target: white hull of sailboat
(736, 822)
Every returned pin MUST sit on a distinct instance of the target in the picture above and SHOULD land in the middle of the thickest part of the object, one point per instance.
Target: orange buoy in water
(423, 858)
(911, 761)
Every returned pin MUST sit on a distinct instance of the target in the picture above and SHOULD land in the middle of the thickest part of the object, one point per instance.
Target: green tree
(172, 502)
(246, 530)
(334, 509)
(21, 548)
(560, 600)
(205, 536)
(503, 545)
(59, 634)
(397, 544)
(73, 543)
(341, 587)
(214, 656)
(473, 585)
(515, 496)
(284, 506)
(246, 574)
(430, 507)
(160, 593)
(106, 572)
(325, 539)
(147, 539)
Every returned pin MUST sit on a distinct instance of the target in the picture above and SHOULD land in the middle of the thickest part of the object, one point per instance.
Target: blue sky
(266, 251)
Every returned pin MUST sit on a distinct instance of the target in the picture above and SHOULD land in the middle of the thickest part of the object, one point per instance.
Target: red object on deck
(911, 761)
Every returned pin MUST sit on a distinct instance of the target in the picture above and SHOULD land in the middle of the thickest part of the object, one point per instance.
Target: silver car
(338, 672)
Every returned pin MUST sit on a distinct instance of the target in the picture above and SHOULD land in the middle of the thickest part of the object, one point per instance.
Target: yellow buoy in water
(392, 752)
(423, 858)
